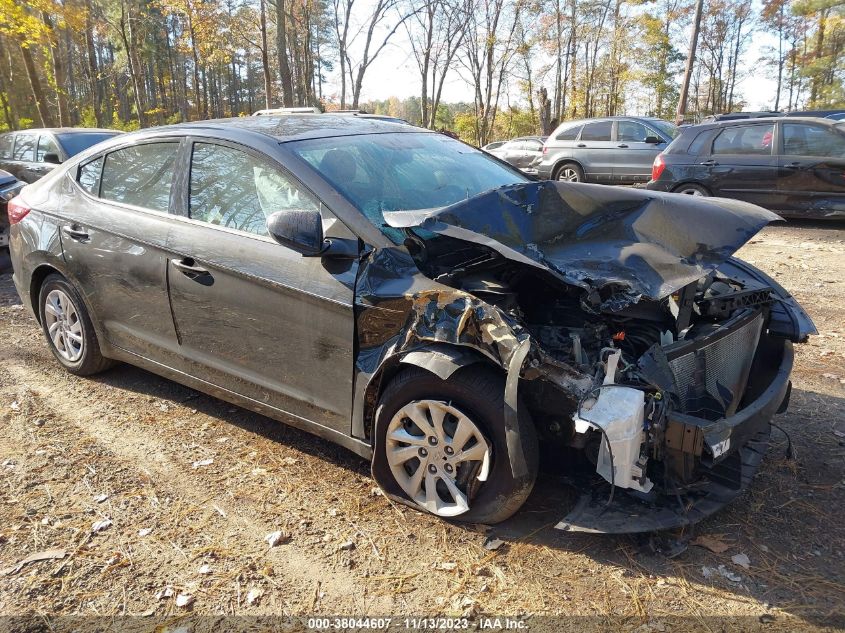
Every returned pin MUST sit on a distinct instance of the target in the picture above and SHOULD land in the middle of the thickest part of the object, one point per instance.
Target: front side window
(752, 140)
(25, 146)
(812, 140)
(403, 172)
(237, 190)
(598, 131)
(46, 145)
(89, 176)
(632, 131)
(140, 175)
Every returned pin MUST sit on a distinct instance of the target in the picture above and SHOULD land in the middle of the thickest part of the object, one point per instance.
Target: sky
(395, 74)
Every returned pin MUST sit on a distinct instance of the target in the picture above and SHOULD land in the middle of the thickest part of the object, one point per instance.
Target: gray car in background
(523, 153)
(610, 150)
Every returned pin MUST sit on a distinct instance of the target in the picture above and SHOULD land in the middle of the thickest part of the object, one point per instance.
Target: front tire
(441, 447)
(68, 328)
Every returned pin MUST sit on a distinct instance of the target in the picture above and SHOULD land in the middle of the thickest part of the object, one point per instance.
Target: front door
(252, 316)
(634, 157)
(811, 170)
(742, 164)
(114, 230)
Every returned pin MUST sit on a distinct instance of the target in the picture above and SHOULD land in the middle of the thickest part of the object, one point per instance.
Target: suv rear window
(754, 140)
(598, 131)
(570, 133)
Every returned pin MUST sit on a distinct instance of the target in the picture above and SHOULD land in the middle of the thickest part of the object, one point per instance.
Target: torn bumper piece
(736, 445)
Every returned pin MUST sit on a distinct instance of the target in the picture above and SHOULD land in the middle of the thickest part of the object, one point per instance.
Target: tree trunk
(696, 27)
(265, 61)
(35, 85)
(282, 52)
(58, 71)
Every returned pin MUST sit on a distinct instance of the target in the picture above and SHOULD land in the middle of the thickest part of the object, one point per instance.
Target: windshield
(75, 143)
(403, 172)
(669, 129)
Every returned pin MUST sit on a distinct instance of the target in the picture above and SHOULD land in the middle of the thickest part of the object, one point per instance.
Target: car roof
(760, 121)
(289, 127)
(70, 130)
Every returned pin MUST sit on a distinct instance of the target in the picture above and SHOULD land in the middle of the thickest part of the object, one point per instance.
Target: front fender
(441, 359)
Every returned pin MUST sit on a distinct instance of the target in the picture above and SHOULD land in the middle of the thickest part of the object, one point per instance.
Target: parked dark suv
(794, 166)
(613, 150)
(425, 305)
(30, 154)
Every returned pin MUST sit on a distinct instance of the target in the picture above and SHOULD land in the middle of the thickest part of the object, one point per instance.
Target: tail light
(657, 167)
(17, 210)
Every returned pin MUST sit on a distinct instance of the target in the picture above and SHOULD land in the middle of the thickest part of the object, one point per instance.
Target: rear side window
(753, 140)
(237, 190)
(46, 145)
(140, 175)
(6, 143)
(599, 131)
(812, 140)
(25, 146)
(698, 144)
(570, 133)
(89, 176)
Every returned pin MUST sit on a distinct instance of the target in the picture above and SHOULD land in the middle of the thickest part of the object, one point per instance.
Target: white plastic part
(620, 411)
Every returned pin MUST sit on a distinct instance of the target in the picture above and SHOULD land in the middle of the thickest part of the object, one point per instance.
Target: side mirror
(53, 158)
(298, 229)
(653, 140)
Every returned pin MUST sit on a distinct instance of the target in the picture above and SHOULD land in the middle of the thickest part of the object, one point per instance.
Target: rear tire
(68, 329)
(691, 189)
(472, 400)
(570, 172)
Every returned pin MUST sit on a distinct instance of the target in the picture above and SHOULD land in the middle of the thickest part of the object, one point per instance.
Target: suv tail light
(657, 167)
(17, 210)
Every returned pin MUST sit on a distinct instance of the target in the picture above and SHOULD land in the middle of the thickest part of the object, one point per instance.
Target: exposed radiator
(711, 372)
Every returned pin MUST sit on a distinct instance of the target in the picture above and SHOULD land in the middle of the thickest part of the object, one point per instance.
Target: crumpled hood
(643, 243)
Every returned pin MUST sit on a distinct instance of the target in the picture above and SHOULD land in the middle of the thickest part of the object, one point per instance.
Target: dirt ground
(192, 486)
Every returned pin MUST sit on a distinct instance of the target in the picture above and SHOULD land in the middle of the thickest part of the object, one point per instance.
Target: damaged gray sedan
(426, 306)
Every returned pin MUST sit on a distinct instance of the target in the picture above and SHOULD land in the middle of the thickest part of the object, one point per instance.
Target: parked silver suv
(613, 150)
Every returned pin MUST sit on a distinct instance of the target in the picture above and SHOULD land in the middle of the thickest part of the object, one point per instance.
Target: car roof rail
(294, 110)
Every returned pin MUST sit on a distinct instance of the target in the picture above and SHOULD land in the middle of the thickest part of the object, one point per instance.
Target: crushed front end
(648, 351)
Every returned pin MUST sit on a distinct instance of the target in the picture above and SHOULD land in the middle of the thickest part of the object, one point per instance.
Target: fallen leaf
(205, 569)
(99, 526)
(50, 554)
(145, 531)
(184, 600)
(741, 560)
(346, 546)
(253, 596)
(445, 566)
(203, 462)
(712, 543)
(164, 593)
(101, 498)
(492, 544)
(276, 538)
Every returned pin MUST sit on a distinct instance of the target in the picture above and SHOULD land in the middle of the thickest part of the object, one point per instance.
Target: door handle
(75, 233)
(188, 267)
(623, 145)
(581, 145)
(710, 163)
(794, 165)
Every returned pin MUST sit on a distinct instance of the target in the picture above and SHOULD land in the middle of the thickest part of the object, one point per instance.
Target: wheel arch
(690, 181)
(36, 280)
(440, 359)
(563, 161)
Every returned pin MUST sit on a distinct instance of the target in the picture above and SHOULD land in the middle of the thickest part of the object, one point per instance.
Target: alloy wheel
(437, 453)
(568, 174)
(690, 191)
(63, 325)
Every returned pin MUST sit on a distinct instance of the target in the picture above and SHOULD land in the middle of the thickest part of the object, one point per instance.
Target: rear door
(595, 150)
(811, 169)
(253, 316)
(742, 165)
(634, 157)
(532, 153)
(114, 230)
